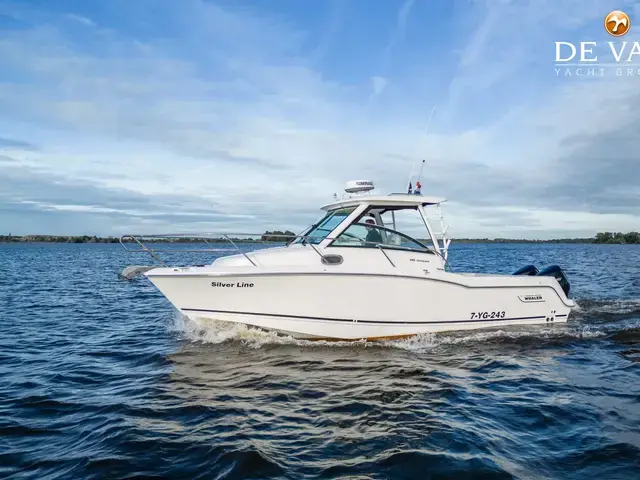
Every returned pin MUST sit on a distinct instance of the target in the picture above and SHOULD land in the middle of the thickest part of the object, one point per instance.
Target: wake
(591, 319)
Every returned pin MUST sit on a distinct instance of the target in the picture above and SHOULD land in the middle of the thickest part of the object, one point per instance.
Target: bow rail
(207, 238)
(232, 239)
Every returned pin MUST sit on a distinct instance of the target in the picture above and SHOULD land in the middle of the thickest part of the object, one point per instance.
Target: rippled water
(101, 378)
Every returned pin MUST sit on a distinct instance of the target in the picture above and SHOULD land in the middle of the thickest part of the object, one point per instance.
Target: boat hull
(313, 329)
(354, 306)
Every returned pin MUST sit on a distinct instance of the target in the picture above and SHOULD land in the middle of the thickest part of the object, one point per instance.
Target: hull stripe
(301, 317)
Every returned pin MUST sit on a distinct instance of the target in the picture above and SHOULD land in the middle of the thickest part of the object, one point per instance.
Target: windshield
(371, 235)
(325, 226)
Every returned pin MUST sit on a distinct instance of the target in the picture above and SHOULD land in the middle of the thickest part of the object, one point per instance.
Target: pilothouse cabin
(398, 222)
(364, 229)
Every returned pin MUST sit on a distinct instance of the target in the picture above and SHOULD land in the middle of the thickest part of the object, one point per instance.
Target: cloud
(506, 53)
(335, 22)
(205, 117)
(11, 143)
(403, 16)
(399, 32)
(30, 191)
(377, 86)
(83, 20)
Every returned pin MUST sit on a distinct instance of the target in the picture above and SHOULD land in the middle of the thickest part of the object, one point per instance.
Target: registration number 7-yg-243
(485, 315)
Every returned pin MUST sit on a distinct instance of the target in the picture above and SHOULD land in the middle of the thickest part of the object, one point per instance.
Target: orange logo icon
(617, 23)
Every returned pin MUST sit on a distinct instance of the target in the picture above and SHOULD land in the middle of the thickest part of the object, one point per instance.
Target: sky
(172, 116)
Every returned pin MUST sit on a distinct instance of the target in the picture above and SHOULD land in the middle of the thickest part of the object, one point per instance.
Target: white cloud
(377, 85)
(83, 20)
(230, 115)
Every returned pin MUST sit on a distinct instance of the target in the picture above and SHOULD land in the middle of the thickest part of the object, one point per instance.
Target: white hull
(353, 306)
(353, 275)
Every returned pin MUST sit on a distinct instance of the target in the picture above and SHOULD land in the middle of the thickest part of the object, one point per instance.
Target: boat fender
(133, 271)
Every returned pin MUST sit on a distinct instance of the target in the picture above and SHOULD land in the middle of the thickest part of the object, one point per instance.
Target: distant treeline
(278, 236)
(275, 236)
(606, 237)
(283, 237)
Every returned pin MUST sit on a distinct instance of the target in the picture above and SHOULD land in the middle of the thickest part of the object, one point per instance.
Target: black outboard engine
(529, 270)
(556, 271)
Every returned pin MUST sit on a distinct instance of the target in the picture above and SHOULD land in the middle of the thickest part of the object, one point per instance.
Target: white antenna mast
(430, 116)
(433, 109)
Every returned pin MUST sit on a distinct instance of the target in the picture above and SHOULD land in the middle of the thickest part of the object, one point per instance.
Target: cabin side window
(321, 229)
(370, 235)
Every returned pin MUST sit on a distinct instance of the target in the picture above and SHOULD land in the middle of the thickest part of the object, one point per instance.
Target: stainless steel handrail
(236, 248)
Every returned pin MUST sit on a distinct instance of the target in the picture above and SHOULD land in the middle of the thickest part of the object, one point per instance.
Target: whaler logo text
(531, 298)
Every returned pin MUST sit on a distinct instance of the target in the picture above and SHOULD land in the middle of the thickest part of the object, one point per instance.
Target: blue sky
(162, 116)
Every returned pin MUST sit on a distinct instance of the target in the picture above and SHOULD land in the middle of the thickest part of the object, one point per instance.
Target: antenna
(409, 189)
(420, 173)
(430, 116)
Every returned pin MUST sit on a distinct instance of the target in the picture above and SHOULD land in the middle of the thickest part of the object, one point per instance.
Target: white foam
(592, 309)
(429, 341)
(616, 307)
(216, 332)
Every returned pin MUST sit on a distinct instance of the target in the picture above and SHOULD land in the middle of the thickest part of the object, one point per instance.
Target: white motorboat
(360, 273)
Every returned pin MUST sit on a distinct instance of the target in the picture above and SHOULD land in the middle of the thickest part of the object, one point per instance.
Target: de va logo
(589, 59)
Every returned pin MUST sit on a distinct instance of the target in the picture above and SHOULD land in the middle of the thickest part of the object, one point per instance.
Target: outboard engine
(529, 270)
(556, 272)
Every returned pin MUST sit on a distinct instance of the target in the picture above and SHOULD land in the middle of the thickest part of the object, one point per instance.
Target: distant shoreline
(631, 238)
(93, 239)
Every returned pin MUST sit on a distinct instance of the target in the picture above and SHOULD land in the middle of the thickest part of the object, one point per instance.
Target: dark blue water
(100, 378)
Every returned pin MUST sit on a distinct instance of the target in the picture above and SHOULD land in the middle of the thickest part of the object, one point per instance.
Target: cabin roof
(391, 200)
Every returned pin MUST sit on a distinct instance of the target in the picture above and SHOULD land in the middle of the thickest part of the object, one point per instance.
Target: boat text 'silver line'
(357, 274)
